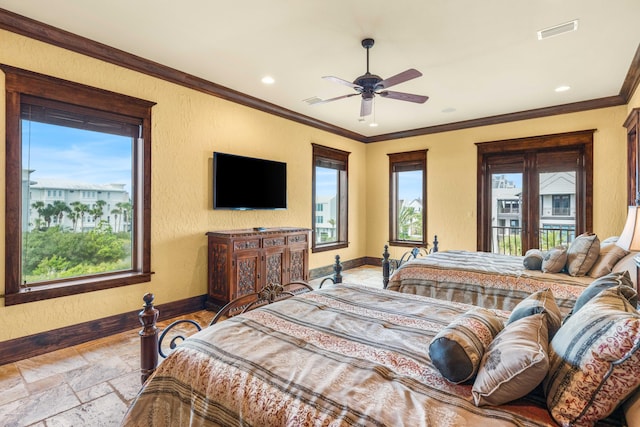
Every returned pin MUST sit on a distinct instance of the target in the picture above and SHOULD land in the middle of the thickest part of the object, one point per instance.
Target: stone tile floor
(92, 384)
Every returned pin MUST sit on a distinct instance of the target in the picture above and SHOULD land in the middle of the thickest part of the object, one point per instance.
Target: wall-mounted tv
(244, 183)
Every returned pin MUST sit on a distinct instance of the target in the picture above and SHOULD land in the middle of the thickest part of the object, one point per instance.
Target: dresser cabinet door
(246, 273)
(274, 266)
(297, 264)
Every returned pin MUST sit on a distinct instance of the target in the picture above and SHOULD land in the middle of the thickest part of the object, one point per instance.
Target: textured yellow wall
(188, 126)
(451, 175)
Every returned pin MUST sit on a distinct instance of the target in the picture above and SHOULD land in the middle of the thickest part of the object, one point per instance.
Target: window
(407, 198)
(561, 204)
(66, 136)
(330, 191)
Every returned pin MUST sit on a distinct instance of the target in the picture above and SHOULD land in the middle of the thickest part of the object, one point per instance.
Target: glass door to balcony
(531, 200)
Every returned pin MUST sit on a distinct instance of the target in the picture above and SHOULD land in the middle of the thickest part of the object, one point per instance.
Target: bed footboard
(390, 265)
(151, 340)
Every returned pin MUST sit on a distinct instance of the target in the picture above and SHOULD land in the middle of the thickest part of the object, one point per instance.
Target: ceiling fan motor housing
(369, 83)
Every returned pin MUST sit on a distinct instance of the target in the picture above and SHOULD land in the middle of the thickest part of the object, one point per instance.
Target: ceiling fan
(369, 85)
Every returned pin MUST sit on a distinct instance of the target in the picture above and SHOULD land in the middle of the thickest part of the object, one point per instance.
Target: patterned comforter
(485, 279)
(346, 355)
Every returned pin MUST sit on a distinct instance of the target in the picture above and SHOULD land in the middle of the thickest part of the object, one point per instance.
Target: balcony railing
(560, 211)
(508, 240)
(509, 209)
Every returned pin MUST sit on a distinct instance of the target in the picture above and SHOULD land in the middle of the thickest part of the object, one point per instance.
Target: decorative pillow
(554, 260)
(533, 259)
(582, 254)
(628, 263)
(539, 302)
(610, 254)
(605, 282)
(456, 350)
(515, 363)
(594, 360)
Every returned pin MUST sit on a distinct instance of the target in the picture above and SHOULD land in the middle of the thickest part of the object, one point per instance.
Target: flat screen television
(245, 183)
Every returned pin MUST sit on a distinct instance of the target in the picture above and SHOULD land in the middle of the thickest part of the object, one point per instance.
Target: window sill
(74, 287)
(408, 244)
(329, 247)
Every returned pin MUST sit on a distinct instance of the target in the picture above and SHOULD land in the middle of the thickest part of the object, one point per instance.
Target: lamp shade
(630, 237)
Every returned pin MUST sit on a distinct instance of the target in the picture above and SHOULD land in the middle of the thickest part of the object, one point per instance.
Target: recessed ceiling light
(448, 110)
(373, 125)
(562, 88)
(268, 80)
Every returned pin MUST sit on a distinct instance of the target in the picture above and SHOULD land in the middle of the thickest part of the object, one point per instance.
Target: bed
(490, 280)
(344, 355)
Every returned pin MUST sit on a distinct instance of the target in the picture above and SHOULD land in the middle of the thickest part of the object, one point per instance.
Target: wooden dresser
(243, 261)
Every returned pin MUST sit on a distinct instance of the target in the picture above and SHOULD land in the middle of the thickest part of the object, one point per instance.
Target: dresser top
(257, 231)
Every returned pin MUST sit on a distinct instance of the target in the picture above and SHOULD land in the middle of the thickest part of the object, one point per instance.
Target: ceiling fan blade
(419, 99)
(342, 82)
(366, 106)
(398, 78)
(324, 101)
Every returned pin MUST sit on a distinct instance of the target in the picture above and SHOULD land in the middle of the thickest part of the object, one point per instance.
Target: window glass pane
(409, 205)
(326, 197)
(76, 202)
(557, 208)
(506, 213)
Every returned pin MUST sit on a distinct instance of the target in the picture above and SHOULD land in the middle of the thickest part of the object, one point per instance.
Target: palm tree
(39, 207)
(48, 212)
(409, 219)
(60, 208)
(80, 209)
(73, 216)
(117, 211)
(125, 210)
(97, 210)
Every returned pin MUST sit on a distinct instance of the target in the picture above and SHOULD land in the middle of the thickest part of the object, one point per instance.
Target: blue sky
(59, 152)
(326, 180)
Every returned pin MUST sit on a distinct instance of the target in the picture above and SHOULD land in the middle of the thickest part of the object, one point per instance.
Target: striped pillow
(456, 351)
(539, 302)
(594, 360)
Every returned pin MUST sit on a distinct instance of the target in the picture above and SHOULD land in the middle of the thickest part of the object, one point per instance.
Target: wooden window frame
(632, 124)
(22, 83)
(341, 160)
(417, 159)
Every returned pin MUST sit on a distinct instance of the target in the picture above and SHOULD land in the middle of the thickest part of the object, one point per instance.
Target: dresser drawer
(268, 242)
(239, 245)
(297, 238)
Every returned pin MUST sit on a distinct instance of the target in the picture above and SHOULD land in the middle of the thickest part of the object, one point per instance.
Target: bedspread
(485, 279)
(346, 355)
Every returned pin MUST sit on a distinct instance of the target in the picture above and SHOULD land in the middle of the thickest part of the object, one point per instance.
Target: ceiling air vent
(312, 100)
(558, 29)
